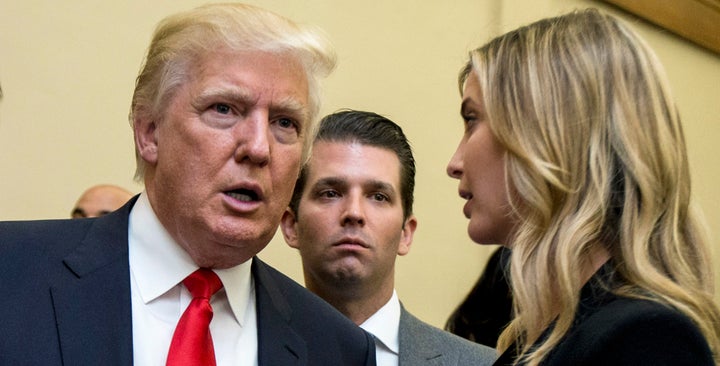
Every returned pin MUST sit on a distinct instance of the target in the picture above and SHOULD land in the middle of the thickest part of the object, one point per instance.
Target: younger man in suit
(221, 113)
(350, 217)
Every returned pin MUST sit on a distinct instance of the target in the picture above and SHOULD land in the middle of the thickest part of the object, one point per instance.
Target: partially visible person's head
(594, 160)
(222, 114)
(487, 309)
(351, 216)
(100, 200)
(367, 128)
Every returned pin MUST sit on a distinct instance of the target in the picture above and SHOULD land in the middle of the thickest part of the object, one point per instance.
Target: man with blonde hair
(221, 113)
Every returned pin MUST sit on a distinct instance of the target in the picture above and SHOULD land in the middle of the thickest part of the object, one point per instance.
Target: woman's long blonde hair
(596, 159)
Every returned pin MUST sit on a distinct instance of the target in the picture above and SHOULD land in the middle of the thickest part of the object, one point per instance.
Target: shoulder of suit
(634, 329)
(414, 330)
(52, 238)
(624, 310)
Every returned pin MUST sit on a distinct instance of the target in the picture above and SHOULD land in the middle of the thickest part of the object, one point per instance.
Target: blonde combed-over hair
(181, 42)
(596, 159)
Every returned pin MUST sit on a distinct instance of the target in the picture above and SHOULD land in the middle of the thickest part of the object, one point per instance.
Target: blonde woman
(573, 156)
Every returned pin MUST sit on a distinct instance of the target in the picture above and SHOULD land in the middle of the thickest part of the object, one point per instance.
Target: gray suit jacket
(422, 344)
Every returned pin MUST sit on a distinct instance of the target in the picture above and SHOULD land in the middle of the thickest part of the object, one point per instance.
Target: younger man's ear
(406, 238)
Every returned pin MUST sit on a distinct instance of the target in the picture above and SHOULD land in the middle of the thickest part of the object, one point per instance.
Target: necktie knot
(202, 283)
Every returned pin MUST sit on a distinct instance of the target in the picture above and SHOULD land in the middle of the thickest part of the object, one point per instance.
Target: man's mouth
(351, 241)
(244, 195)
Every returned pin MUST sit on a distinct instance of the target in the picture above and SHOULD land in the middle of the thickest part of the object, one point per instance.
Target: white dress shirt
(384, 325)
(157, 267)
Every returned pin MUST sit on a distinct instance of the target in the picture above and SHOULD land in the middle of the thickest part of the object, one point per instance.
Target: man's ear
(288, 225)
(406, 238)
(145, 133)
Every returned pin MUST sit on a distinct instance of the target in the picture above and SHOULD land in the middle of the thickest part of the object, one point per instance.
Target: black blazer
(65, 300)
(613, 330)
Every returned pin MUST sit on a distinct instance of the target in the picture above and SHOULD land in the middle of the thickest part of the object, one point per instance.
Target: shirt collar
(159, 263)
(385, 324)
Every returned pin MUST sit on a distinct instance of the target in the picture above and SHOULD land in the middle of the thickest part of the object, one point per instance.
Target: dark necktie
(192, 343)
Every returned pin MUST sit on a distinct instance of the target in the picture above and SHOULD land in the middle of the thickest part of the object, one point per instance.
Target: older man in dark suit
(221, 112)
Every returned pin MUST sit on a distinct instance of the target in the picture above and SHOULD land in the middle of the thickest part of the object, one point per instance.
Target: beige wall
(67, 70)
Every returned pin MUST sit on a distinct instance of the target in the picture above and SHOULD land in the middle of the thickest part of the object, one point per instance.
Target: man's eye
(222, 108)
(286, 123)
(380, 197)
(328, 194)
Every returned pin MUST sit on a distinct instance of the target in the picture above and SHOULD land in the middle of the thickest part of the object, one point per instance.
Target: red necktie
(192, 344)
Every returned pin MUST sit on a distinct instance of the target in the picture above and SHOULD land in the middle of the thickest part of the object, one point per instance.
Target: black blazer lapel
(92, 299)
(278, 343)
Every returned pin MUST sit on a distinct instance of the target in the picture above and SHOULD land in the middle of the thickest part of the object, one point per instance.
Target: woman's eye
(469, 122)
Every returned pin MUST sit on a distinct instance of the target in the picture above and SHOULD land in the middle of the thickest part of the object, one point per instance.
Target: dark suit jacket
(424, 345)
(613, 330)
(65, 300)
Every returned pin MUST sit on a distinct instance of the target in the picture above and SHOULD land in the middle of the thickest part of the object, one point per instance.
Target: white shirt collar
(159, 263)
(385, 324)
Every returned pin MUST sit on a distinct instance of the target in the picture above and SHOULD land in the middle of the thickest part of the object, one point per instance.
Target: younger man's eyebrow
(378, 185)
(329, 182)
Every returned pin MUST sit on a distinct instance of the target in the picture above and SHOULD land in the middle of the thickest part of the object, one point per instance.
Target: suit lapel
(415, 348)
(92, 302)
(278, 344)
